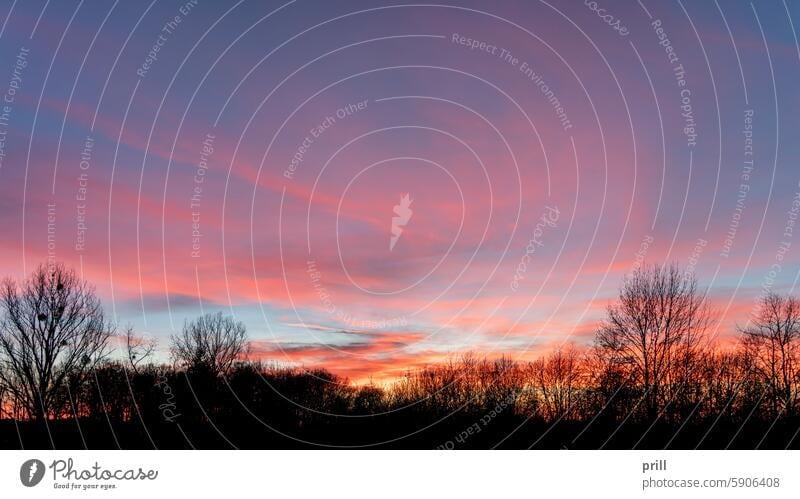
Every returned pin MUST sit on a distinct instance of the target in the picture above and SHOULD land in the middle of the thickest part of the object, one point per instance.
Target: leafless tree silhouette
(213, 342)
(53, 331)
(657, 331)
(138, 349)
(559, 381)
(772, 341)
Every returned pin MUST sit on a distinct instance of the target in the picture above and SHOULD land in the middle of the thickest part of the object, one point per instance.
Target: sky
(373, 186)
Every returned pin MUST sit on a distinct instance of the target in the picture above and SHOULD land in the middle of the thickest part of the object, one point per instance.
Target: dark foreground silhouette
(653, 378)
(273, 408)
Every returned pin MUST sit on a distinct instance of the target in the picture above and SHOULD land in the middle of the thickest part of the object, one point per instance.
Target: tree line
(653, 377)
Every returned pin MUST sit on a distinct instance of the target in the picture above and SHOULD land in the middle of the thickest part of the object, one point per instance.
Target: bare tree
(771, 339)
(213, 342)
(728, 383)
(657, 331)
(558, 381)
(52, 332)
(138, 349)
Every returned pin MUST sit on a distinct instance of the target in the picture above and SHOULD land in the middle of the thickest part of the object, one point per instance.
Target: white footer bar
(401, 474)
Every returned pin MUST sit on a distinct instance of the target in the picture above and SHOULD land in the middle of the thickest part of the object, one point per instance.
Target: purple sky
(248, 157)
